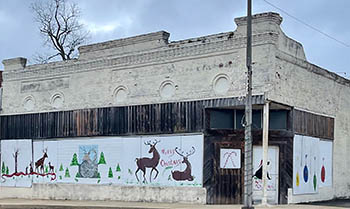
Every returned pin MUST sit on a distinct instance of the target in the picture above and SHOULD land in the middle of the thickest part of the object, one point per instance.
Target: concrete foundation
(107, 192)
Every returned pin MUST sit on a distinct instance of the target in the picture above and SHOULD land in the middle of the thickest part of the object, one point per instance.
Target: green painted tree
(7, 170)
(78, 175)
(118, 168)
(110, 173)
(3, 167)
(67, 175)
(61, 167)
(74, 160)
(102, 159)
(46, 169)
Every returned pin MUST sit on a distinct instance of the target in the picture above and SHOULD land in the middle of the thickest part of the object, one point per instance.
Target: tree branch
(58, 23)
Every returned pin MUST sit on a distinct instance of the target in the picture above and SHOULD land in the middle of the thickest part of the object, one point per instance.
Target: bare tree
(15, 156)
(60, 27)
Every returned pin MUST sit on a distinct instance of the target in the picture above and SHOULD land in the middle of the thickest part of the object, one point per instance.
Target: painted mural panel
(16, 157)
(170, 161)
(305, 165)
(326, 163)
(89, 160)
(45, 164)
(146, 161)
(272, 173)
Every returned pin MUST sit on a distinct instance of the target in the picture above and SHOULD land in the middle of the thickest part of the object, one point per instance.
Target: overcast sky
(113, 19)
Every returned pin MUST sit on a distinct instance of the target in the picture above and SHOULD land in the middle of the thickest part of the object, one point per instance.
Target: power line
(308, 25)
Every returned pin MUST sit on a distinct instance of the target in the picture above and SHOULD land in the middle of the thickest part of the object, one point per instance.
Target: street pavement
(65, 204)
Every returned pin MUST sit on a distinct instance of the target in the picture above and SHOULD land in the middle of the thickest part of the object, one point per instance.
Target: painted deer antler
(191, 152)
(150, 143)
(147, 143)
(181, 154)
(155, 142)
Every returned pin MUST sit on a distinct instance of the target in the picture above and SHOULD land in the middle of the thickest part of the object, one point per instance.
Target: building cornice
(165, 54)
(312, 68)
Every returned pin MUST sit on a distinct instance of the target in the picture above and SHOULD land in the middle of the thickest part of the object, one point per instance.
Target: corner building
(148, 119)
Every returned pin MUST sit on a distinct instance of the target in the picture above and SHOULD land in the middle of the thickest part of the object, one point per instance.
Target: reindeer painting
(51, 168)
(39, 164)
(186, 174)
(145, 162)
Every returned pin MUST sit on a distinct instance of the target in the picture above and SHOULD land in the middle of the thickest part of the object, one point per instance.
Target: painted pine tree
(67, 175)
(102, 159)
(118, 168)
(110, 173)
(74, 160)
(118, 171)
(61, 167)
(3, 167)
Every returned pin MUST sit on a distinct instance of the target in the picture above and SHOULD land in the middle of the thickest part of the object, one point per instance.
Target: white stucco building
(147, 86)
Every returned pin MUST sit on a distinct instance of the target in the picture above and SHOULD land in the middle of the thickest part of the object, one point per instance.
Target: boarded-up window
(278, 119)
(221, 119)
(240, 120)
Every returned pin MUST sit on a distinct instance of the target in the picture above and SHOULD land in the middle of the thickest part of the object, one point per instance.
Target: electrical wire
(308, 25)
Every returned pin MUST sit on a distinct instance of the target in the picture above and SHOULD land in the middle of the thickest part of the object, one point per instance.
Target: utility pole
(248, 149)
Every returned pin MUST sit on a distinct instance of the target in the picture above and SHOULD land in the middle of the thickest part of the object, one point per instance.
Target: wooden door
(228, 182)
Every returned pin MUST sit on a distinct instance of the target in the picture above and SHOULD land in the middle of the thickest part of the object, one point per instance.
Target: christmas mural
(17, 167)
(305, 165)
(272, 173)
(149, 160)
(45, 161)
(325, 163)
(312, 164)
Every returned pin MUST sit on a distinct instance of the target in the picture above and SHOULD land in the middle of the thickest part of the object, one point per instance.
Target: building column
(265, 145)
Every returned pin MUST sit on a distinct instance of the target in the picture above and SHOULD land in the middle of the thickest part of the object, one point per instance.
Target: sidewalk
(64, 204)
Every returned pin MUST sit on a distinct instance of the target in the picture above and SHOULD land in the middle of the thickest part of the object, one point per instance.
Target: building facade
(145, 119)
